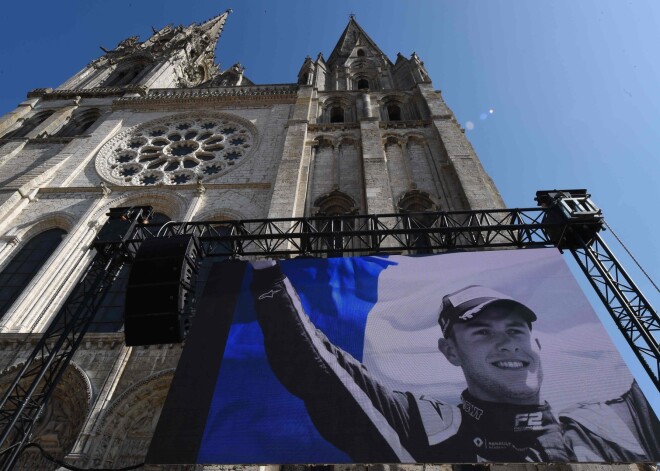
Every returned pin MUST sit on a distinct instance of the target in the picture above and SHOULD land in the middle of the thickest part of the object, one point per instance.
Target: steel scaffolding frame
(563, 223)
(368, 234)
(35, 382)
(630, 310)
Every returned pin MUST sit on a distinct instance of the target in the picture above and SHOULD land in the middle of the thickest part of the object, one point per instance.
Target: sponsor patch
(472, 410)
(528, 421)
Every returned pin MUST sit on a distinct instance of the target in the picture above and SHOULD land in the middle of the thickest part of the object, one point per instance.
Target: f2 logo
(530, 421)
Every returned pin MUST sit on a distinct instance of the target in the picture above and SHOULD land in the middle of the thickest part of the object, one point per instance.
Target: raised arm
(349, 407)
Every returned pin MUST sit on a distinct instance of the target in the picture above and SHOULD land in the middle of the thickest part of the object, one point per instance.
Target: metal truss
(367, 234)
(36, 380)
(632, 313)
(565, 222)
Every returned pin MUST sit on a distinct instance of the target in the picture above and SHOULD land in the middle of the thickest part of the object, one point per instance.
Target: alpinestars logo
(269, 294)
(529, 421)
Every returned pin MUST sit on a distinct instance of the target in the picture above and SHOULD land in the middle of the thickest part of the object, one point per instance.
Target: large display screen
(454, 358)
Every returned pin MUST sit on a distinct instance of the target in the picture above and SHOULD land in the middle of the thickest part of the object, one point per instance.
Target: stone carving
(97, 92)
(232, 77)
(12, 240)
(125, 45)
(194, 71)
(200, 187)
(60, 422)
(177, 150)
(420, 67)
(105, 189)
(125, 430)
(251, 91)
(162, 37)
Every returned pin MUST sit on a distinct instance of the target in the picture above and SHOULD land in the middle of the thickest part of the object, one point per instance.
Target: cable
(49, 457)
(163, 227)
(631, 256)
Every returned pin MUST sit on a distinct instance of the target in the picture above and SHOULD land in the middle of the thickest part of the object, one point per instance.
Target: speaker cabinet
(160, 297)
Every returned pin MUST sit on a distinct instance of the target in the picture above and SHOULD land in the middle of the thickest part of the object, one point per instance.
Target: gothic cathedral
(159, 123)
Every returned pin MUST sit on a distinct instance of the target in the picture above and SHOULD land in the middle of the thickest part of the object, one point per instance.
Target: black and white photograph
(464, 358)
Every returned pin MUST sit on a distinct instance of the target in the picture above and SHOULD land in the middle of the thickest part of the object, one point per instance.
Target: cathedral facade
(159, 123)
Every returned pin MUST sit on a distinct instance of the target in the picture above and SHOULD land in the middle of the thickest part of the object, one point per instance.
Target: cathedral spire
(356, 63)
(213, 27)
(353, 36)
(197, 64)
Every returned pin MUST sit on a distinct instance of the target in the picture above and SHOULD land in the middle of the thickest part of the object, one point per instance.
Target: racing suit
(624, 429)
(369, 422)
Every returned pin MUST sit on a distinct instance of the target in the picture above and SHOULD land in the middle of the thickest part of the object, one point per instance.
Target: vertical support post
(632, 313)
(36, 381)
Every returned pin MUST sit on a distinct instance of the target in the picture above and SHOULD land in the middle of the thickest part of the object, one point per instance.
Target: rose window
(176, 152)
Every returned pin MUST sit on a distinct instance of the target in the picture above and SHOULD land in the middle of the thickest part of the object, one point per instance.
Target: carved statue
(125, 46)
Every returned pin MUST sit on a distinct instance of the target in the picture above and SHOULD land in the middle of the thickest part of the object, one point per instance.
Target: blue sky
(573, 85)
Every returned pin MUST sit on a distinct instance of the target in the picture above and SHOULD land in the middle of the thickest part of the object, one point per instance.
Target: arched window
(124, 76)
(116, 79)
(25, 264)
(363, 84)
(336, 114)
(334, 207)
(79, 122)
(360, 52)
(393, 112)
(30, 124)
(109, 316)
(412, 206)
(303, 79)
(337, 110)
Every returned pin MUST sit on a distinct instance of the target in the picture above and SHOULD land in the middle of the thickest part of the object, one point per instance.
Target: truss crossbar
(387, 233)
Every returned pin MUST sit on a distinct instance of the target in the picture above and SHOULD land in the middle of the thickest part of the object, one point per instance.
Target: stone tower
(379, 138)
(159, 123)
(170, 58)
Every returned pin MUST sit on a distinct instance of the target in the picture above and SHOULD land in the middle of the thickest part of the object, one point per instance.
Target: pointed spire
(198, 42)
(350, 37)
(213, 27)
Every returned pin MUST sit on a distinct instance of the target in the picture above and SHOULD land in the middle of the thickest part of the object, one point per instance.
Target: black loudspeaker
(160, 297)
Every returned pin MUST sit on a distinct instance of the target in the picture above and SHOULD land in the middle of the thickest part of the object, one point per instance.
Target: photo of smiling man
(375, 410)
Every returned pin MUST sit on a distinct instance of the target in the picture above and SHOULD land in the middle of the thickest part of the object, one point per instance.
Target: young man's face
(499, 357)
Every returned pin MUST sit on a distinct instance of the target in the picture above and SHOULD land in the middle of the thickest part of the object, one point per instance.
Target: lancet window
(29, 124)
(412, 206)
(333, 209)
(79, 122)
(22, 268)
